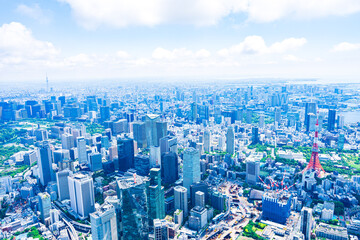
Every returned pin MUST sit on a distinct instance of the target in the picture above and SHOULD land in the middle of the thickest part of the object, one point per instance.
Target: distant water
(351, 117)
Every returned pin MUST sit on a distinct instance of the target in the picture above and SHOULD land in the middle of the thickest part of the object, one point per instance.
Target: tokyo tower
(314, 163)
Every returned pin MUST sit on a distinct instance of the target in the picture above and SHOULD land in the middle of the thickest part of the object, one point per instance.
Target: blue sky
(93, 39)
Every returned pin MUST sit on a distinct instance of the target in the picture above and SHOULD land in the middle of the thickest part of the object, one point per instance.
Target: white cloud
(267, 11)
(17, 44)
(292, 58)
(257, 45)
(177, 53)
(122, 54)
(345, 46)
(34, 12)
(121, 13)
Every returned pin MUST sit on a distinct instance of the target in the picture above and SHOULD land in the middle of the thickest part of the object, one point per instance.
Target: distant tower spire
(47, 83)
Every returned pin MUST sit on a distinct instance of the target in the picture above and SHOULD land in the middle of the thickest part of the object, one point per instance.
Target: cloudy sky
(167, 39)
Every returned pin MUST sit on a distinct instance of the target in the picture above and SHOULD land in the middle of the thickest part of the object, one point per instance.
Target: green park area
(252, 229)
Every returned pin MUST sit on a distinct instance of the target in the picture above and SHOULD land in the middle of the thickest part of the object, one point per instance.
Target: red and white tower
(314, 164)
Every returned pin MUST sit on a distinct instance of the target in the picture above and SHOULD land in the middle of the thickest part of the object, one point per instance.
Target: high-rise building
(95, 161)
(161, 231)
(131, 191)
(218, 200)
(310, 107)
(276, 206)
(67, 141)
(139, 133)
(311, 121)
(207, 141)
(125, 154)
(62, 184)
(155, 156)
(81, 147)
(82, 198)
(306, 222)
(193, 112)
(181, 199)
(203, 112)
(156, 199)
(54, 216)
(255, 135)
(142, 164)
(61, 156)
(331, 120)
(45, 164)
(191, 167)
(169, 167)
(161, 131)
(120, 126)
(44, 205)
(151, 129)
(103, 223)
(200, 199)
(105, 143)
(252, 171)
(230, 141)
(200, 213)
(199, 186)
(168, 144)
(277, 115)
(104, 113)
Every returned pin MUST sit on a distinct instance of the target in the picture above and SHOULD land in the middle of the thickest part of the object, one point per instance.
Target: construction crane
(282, 181)
(134, 177)
(267, 186)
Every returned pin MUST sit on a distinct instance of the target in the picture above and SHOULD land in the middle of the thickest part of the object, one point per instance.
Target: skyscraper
(125, 153)
(44, 205)
(255, 135)
(45, 163)
(191, 167)
(155, 193)
(131, 191)
(230, 141)
(104, 113)
(168, 144)
(62, 184)
(103, 223)
(139, 133)
(95, 161)
(276, 206)
(82, 198)
(67, 141)
(207, 140)
(151, 130)
(181, 199)
(331, 120)
(193, 112)
(169, 167)
(161, 131)
(310, 107)
(81, 147)
(199, 199)
(311, 121)
(306, 222)
(252, 172)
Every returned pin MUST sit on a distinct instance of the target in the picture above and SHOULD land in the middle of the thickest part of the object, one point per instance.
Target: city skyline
(69, 40)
